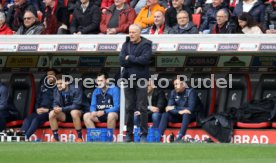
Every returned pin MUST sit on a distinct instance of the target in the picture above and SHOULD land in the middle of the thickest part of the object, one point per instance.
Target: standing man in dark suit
(135, 58)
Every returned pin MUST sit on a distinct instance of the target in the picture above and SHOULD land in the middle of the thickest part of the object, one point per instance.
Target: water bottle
(71, 137)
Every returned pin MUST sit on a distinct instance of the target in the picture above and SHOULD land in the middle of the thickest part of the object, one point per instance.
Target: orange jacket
(143, 20)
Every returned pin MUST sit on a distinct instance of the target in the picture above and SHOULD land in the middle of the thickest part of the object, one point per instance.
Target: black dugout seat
(266, 88)
(23, 89)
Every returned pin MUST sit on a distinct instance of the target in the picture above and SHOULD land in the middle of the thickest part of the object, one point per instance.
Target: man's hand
(57, 109)
(185, 111)
(154, 109)
(111, 31)
(169, 108)
(100, 113)
(137, 113)
(41, 110)
(126, 58)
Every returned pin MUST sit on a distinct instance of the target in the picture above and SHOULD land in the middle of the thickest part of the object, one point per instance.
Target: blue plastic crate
(154, 135)
(99, 135)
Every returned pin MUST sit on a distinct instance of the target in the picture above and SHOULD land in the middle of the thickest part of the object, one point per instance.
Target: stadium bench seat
(69, 124)
(22, 88)
(266, 88)
(104, 125)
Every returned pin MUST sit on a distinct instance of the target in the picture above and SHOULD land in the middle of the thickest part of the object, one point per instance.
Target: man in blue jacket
(105, 104)
(182, 106)
(43, 105)
(7, 110)
(135, 58)
(69, 105)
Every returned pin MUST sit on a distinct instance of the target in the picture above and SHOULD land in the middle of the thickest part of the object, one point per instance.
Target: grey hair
(137, 26)
(2, 16)
(225, 11)
(183, 12)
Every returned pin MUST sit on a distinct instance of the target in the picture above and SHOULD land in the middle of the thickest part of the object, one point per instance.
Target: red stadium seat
(274, 125)
(65, 3)
(22, 88)
(69, 124)
(196, 18)
(40, 16)
(104, 125)
(178, 125)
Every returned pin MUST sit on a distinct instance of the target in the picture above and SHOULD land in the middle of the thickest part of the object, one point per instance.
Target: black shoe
(143, 139)
(128, 138)
(179, 139)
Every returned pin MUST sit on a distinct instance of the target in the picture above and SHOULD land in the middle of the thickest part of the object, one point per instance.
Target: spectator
(105, 104)
(255, 8)
(117, 18)
(184, 26)
(31, 24)
(182, 107)
(209, 20)
(7, 110)
(139, 4)
(223, 25)
(69, 105)
(43, 105)
(177, 6)
(72, 4)
(105, 4)
(4, 29)
(86, 19)
(145, 17)
(135, 59)
(16, 12)
(159, 26)
(270, 17)
(156, 105)
(248, 25)
(56, 18)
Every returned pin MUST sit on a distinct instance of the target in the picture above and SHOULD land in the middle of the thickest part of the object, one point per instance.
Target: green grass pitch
(148, 153)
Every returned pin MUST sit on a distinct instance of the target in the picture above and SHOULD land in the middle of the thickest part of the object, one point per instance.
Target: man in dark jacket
(7, 110)
(16, 12)
(86, 18)
(209, 19)
(182, 106)
(223, 25)
(156, 105)
(43, 105)
(56, 19)
(69, 105)
(170, 15)
(255, 8)
(184, 26)
(135, 58)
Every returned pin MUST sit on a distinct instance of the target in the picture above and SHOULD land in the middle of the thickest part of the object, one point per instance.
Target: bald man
(135, 59)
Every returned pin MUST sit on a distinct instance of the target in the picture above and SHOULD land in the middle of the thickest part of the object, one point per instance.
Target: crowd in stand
(28, 17)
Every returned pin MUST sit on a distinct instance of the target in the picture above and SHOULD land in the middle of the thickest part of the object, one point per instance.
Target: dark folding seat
(23, 89)
(163, 79)
(206, 94)
(239, 94)
(266, 88)
(88, 91)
